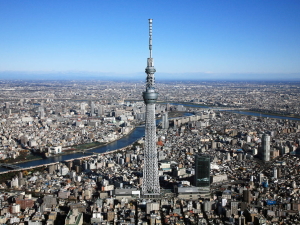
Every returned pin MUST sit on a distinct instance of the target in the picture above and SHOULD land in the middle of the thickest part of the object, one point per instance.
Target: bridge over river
(15, 168)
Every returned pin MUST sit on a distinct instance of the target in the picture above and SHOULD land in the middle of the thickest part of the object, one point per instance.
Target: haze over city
(208, 40)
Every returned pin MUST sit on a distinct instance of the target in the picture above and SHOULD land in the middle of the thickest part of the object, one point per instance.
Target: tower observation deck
(150, 172)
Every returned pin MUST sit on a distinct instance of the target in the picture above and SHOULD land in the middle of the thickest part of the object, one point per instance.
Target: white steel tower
(150, 172)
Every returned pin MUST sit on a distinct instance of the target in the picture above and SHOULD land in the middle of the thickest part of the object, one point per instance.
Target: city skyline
(194, 40)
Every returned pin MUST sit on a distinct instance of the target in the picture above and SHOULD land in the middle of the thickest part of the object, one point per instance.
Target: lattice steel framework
(150, 173)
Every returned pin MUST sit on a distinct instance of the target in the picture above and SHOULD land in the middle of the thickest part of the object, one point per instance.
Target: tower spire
(150, 172)
(150, 70)
(150, 37)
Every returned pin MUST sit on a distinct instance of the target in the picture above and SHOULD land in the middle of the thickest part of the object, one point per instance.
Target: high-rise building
(82, 108)
(234, 207)
(247, 196)
(41, 111)
(92, 106)
(275, 172)
(261, 178)
(202, 172)
(265, 147)
(242, 220)
(101, 110)
(165, 121)
(150, 173)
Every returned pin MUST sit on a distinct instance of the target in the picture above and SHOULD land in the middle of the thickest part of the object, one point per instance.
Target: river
(136, 134)
(239, 112)
(127, 140)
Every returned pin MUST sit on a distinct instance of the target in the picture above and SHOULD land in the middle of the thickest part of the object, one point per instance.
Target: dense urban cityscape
(211, 138)
(252, 161)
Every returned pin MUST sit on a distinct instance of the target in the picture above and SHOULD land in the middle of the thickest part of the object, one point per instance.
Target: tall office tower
(92, 105)
(265, 148)
(202, 173)
(242, 220)
(247, 196)
(42, 114)
(165, 121)
(150, 173)
(41, 111)
(82, 108)
(234, 207)
(261, 178)
(101, 110)
(275, 172)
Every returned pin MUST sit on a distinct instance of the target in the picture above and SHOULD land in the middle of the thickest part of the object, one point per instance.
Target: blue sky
(191, 39)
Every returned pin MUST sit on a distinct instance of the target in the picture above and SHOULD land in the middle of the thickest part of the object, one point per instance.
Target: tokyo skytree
(150, 173)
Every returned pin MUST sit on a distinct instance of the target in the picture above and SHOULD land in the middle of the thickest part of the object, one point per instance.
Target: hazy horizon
(20, 75)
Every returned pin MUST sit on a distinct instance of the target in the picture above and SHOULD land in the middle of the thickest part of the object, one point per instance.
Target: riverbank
(272, 114)
(124, 141)
(82, 148)
(187, 103)
(175, 114)
(195, 105)
(86, 147)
